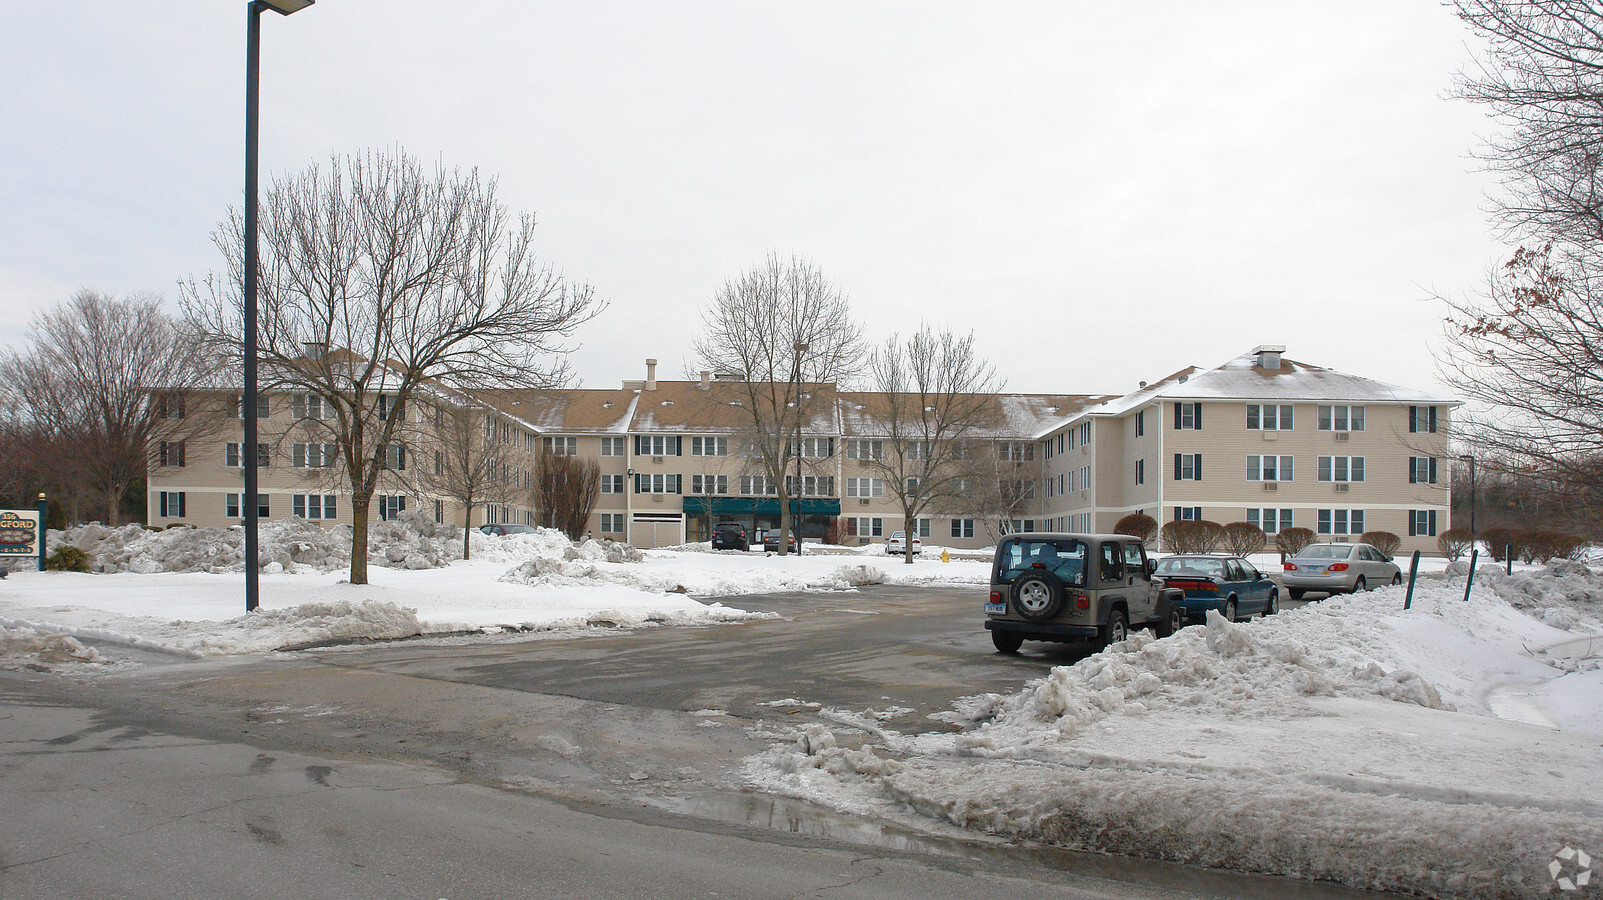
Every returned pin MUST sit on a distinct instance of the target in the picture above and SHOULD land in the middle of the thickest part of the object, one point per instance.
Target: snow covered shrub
(1454, 542)
(67, 559)
(1384, 541)
(1291, 540)
(1241, 538)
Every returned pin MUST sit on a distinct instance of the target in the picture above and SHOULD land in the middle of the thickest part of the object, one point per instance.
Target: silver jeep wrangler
(1076, 587)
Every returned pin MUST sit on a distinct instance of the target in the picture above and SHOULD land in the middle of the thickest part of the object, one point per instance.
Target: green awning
(757, 506)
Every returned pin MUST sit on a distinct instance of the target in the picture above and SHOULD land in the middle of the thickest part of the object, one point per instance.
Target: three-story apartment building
(1261, 438)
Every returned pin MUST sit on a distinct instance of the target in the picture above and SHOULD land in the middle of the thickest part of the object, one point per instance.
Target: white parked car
(898, 543)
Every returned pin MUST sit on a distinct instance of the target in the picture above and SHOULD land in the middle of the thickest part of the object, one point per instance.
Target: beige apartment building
(1261, 438)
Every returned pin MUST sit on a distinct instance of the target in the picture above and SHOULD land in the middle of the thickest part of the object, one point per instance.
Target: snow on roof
(1243, 379)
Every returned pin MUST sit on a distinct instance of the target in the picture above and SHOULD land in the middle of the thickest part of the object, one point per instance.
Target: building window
(1421, 470)
(262, 406)
(1341, 468)
(170, 406)
(322, 506)
(757, 486)
(1140, 471)
(1341, 418)
(390, 506)
(1085, 434)
(709, 484)
(310, 406)
(921, 527)
(233, 502)
(865, 487)
(233, 453)
(613, 484)
(1268, 417)
(1060, 443)
(1021, 525)
(561, 445)
(1018, 488)
(813, 448)
(811, 486)
(1187, 513)
(864, 526)
(312, 456)
(1046, 449)
(1188, 416)
(395, 457)
(1269, 468)
(614, 446)
(656, 445)
(612, 523)
(1188, 467)
(1141, 423)
(709, 446)
(863, 449)
(1063, 483)
(1085, 476)
(1422, 419)
(172, 454)
(1051, 487)
(171, 504)
(962, 528)
(1272, 521)
(1422, 522)
(925, 450)
(1015, 451)
(656, 483)
(1341, 521)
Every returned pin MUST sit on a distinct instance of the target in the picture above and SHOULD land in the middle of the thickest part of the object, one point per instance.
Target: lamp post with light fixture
(247, 401)
(801, 347)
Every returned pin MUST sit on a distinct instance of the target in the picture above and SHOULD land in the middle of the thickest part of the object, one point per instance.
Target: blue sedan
(1228, 584)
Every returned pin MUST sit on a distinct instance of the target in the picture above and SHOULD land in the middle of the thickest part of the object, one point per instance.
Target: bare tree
(993, 486)
(1531, 355)
(467, 454)
(378, 278)
(787, 331)
(105, 384)
(1242, 538)
(1543, 79)
(931, 393)
(569, 488)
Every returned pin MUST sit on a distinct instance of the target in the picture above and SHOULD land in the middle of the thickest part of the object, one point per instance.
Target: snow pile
(24, 647)
(1563, 594)
(413, 541)
(1348, 741)
(580, 570)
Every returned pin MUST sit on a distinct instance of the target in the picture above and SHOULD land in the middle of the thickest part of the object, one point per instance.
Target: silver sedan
(1338, 568)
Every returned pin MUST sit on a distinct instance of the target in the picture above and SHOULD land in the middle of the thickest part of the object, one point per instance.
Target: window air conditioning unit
(1271, 485)
(1341, 539)
(863, 501)
(1342, 487)
(1343, 435)
(656, 459)
(656, 498)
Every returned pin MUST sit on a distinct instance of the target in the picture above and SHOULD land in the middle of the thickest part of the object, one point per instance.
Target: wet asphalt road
(599, 765)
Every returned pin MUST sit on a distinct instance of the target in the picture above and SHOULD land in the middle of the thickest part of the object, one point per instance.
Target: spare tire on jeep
(1037, 594)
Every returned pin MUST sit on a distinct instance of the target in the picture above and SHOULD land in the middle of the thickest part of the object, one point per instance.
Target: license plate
(997, 609)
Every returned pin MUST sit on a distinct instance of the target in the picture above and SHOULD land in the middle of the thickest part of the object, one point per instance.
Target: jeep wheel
(1115, 629)
(1173, 618)
(1007, 641)
(1037, 595)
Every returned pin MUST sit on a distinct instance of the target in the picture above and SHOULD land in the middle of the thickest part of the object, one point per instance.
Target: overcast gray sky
(1102, 193)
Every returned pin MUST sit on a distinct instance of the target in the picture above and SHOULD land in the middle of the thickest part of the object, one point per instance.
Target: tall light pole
(247, 400)
(801, 348)
(1471, 460)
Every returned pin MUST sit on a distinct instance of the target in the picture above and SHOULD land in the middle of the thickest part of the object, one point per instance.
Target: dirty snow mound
(30, 648)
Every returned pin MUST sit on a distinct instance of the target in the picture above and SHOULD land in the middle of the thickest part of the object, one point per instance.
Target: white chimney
(706, 379)
(651, 374)
(1269, 355)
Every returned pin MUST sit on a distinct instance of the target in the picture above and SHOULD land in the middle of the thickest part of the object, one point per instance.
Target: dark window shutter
(1196, 416)
(1196, 470)
(1177, 471)
(1433, 478)
(1413, 419)
(1433, 420)
(1177, 416)
(638, 451)
(1433, 523)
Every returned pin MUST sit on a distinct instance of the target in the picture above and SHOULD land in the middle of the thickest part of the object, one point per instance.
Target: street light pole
(247, 400)
(796, 525)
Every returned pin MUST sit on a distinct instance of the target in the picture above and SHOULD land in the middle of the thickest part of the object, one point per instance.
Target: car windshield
(1324, 551)
(1063, 558)
(1191, 566)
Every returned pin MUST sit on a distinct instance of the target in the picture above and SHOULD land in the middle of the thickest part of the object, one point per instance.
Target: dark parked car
(771, 542)
(1229, 584)
(730, 536)
(507, 528)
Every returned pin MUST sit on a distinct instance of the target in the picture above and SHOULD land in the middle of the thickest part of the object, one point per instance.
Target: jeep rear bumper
(1044, 631)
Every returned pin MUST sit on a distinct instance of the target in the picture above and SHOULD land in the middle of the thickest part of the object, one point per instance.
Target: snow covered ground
(1453, 749)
